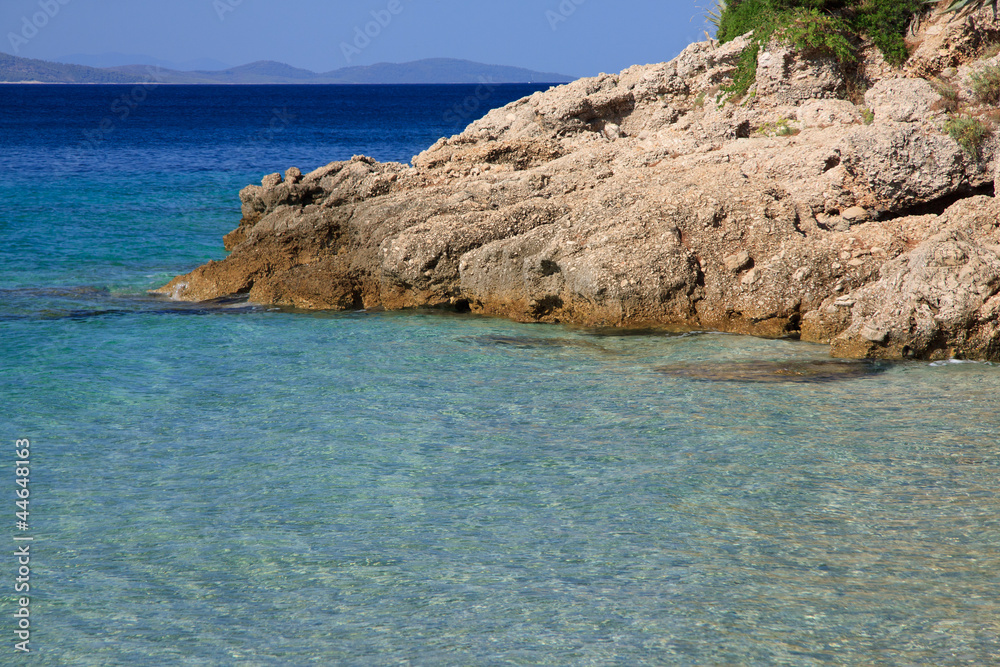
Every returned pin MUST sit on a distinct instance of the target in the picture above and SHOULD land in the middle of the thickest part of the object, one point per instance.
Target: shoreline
(628, 201)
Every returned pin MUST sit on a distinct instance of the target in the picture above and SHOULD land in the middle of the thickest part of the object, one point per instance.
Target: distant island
(116, 59)
(433, 70)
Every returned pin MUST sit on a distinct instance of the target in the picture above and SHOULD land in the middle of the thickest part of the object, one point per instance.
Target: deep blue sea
(246, 485)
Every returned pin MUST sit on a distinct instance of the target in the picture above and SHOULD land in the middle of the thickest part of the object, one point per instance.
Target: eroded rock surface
(646, 198)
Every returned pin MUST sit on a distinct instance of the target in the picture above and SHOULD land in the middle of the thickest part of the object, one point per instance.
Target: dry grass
(948, 93)
(986, 85)
(970, 133)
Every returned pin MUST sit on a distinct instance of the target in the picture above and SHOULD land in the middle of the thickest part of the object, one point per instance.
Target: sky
(572, 37)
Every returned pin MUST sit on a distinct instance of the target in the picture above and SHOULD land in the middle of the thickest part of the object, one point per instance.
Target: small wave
(959, 362)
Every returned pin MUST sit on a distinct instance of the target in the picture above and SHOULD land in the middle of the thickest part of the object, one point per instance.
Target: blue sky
(575, 37)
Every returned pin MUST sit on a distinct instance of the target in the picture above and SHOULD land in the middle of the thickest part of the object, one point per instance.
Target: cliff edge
(830, 203)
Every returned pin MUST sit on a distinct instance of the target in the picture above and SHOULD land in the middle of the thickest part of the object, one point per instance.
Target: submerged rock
(531, 342)
(776, 371)
(647, 199)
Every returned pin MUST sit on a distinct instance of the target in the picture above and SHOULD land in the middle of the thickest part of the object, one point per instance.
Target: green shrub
(986, 84)
(885, 23)
(970, 133)
(806, 28)
(739, 18)
(868, 116)
(746, 71)
(742, 16)
(810, 30)
(829, 26)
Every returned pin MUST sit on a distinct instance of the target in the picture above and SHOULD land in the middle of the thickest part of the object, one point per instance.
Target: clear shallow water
(238, 485)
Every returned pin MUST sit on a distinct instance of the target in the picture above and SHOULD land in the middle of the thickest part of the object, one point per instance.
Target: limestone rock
(855, 214)
(898, 165)
(787, 76)
(942, 42)
(903, 100)
(938, 301)
(996, 169)
(824, 113)
(738, 262)
(646, 198)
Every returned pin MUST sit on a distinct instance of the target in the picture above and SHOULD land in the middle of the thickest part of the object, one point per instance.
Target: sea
(237, 484)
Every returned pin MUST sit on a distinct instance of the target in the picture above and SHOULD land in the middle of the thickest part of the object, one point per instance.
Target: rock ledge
(645, 198)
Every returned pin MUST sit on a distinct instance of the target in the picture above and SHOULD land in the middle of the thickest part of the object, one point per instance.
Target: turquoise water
(231, 484)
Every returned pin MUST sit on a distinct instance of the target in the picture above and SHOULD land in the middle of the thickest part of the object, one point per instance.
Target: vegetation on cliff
(986, 85)
(832, 27)
(970, 133)
(959, 5)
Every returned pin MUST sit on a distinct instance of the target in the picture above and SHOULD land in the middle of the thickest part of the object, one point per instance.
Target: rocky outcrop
(649, 198)
(942, 296)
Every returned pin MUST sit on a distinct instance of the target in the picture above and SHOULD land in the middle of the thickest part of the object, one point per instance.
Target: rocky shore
(827, 204)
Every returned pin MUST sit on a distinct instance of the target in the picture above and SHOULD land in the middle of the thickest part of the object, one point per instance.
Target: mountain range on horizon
(14, 69)
(116, 59)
